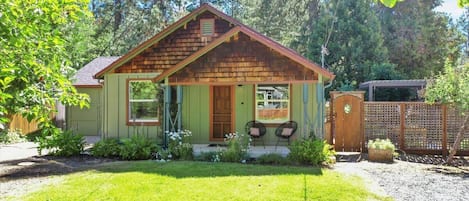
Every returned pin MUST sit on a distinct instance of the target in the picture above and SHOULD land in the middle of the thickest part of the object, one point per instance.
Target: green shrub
(64, 143)
(272, 159)
(106, 148)
(179, 146)
(183, 151)
(137, 148)
(11, 136)
(237, 150)
(313, 152)
(211, 156)
(381, 144)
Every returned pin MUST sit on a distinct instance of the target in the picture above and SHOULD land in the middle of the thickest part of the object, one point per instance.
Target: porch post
(306, 119)
(370, 92)
(320, 106)
(179, 103)
(167, 114)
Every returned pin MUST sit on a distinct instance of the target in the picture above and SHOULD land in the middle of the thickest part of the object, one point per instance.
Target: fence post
(444, 139)
(402, 130)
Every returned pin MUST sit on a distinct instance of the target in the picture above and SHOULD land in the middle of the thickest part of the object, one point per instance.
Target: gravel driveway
(409, 181)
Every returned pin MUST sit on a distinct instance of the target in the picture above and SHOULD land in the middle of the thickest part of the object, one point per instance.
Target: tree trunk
(457, 142)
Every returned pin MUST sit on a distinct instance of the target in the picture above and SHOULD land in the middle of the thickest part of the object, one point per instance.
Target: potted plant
(381, 150)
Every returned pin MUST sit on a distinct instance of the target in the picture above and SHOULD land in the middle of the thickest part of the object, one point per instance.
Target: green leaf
(389, 3)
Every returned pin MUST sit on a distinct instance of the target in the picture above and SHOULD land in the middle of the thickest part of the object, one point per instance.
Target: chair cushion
(254, 131)
(287, 131)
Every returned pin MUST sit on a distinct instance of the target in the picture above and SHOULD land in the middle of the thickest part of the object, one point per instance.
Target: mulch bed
(43, 166)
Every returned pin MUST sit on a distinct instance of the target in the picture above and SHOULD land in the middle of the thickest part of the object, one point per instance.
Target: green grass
(149, 180)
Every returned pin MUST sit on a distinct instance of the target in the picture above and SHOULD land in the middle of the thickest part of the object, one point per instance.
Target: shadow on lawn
(188, 169)
(45, 166)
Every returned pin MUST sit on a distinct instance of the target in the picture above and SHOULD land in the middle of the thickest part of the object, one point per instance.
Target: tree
(392, 3)
(352, 32)
(35, 63)
(452, 88)
(419, 38)
(120, 25)
(463, 3)
(463, 25)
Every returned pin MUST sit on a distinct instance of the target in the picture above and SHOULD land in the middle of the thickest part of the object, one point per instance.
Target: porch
(254, 151)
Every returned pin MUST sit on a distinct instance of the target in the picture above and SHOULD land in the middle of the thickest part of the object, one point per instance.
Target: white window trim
(129, 109)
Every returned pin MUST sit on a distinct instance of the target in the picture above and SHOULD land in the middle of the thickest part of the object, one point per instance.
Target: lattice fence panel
(382, 120)
(423, 126)
(454, 122)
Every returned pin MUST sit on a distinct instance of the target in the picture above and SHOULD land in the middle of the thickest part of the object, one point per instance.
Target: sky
(451, 7)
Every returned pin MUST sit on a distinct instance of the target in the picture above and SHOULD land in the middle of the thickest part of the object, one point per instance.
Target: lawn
(149, 180)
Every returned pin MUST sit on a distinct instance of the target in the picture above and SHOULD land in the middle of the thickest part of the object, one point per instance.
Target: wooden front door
(348, 121)
(221, 114)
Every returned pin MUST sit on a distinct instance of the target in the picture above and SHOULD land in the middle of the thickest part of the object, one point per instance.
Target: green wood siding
(195, 112)
(111, 100)
(86, 121)
(244, 106)
(115, 108)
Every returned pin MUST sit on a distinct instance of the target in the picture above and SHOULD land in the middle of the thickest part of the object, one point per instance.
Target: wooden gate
(347, 124)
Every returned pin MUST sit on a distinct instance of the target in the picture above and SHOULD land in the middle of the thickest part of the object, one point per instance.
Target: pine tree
(418, 38)
(355, 43)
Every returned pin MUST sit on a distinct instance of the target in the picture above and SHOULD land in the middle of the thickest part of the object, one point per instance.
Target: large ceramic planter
(380, 155)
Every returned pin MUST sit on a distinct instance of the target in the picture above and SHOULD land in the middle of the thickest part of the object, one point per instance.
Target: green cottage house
(206, 73)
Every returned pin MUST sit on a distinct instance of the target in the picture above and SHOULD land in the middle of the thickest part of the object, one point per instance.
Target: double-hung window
(273, 103)
(143, 105)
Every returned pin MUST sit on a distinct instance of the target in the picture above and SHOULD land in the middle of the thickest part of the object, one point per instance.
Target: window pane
(272, 103)
(143, 90)
(143, 101)
(144, 111)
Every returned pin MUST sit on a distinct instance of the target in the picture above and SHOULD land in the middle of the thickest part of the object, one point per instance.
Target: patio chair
(285, 131)
(256, 130)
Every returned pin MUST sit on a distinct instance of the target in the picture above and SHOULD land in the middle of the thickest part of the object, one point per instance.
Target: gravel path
(409, 181)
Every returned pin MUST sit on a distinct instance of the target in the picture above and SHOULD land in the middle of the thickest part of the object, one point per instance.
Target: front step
(348, 156)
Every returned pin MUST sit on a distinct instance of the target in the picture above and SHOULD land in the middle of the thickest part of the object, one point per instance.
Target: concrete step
(348, 156)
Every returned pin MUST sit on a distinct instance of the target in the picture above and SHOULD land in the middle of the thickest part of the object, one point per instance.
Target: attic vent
(207, 27)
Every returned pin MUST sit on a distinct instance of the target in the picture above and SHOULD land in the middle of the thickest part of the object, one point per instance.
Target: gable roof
(289, 53)
(161, 35)
(239, 27)
(84, 76)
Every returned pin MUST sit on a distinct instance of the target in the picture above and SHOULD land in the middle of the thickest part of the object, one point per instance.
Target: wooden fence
(18, 122)
(415, 127)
